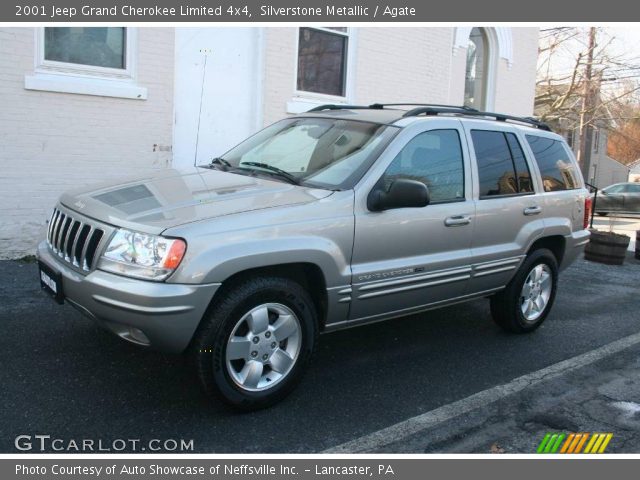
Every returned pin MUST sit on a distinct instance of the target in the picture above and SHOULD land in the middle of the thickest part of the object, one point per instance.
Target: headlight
(139, 255)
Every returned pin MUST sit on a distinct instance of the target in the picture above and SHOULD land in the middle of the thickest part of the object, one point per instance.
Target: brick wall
(515, 85)
(52, 142)
(405, 64)
(279, 71)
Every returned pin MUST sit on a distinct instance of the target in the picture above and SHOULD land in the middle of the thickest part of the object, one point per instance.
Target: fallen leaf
(495, 448)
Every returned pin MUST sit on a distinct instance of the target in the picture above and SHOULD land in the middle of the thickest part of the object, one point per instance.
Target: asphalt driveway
(63, 376)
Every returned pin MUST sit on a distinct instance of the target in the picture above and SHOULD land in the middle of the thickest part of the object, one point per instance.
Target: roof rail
(381, 106)
(331, 106)
(438, 109)
(434, 105)
(465, 111)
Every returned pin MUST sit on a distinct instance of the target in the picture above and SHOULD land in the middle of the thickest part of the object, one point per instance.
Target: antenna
(204, 74)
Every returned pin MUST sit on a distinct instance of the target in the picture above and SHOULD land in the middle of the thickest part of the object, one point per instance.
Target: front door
(406, 258)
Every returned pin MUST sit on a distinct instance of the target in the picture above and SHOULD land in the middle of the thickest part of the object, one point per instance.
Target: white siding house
(82, 105)
(603, 170)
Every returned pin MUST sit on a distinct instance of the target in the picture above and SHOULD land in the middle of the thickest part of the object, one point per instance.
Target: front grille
(73, 241)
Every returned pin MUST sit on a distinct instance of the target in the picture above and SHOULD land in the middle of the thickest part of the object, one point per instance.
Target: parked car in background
(619, 198)
(335, 218)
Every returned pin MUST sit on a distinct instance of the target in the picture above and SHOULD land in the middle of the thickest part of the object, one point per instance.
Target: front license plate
(51, 282)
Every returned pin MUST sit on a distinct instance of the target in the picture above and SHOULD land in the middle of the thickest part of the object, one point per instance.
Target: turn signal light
(175, 254)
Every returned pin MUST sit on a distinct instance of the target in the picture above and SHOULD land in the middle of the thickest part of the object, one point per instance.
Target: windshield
(317, 152)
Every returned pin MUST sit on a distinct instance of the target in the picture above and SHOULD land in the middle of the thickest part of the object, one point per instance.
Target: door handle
(532, 210)
(457, 221)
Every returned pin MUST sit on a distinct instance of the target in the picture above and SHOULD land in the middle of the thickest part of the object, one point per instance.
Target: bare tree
(584, 81)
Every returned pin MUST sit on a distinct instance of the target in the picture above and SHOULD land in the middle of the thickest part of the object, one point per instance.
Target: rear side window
(557, 169)
(523, 175)
(502, 168)
(633, 188)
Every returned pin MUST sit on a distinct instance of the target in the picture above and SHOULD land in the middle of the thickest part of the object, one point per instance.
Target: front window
(322, 60)
(317, 152)
(619, 188)
(435, 159)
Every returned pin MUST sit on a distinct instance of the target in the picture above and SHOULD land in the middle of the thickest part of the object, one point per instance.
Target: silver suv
(338, 217)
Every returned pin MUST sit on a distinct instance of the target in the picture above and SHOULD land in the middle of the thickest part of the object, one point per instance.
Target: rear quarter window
(556, 167)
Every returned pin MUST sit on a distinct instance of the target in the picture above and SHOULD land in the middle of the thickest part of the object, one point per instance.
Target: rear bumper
(160, 315)
(574, 246)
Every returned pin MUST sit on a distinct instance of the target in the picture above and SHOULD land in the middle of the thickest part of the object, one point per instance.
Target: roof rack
(438, 109)
(381, 106)
(465, 111)
(425, 105)
(330, 106)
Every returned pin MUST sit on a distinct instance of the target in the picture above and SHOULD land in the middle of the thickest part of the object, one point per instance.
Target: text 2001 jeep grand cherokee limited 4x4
(338, 217)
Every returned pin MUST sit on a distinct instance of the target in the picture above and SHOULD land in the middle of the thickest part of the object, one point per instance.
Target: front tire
(526, 301)
(255, 342)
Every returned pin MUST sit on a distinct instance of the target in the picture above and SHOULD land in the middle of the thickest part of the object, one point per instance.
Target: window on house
(502, 168)
(86, 61)
(475, 85)
(93, 46)
(435, 159)
(596, 140)
(322, 60)
(570, 138)
(557, 170)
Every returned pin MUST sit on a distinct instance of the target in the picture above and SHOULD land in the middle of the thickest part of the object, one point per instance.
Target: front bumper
(160, 315)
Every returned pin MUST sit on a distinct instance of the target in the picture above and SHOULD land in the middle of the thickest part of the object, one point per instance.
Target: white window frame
(63, 77)
(303, 100)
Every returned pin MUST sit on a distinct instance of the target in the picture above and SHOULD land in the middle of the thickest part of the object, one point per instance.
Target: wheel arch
(307, 274)
(555, 243)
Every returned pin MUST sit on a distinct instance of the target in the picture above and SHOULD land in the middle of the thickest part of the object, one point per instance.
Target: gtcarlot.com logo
(574, 443)
(46, 443)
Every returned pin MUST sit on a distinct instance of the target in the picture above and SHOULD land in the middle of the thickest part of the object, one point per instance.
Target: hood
(173, 197)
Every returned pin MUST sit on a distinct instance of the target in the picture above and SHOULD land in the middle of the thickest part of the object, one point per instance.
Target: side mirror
(403, 193)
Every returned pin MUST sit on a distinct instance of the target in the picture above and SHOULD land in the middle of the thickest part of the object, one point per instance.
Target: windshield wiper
(219, 161)
(278, 171)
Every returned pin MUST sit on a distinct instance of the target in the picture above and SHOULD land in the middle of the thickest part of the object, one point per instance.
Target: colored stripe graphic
(570, 438)
(585, 436)
(574, 443)
(555, 447)
(605, 443)
(580, 438)
(544, 442)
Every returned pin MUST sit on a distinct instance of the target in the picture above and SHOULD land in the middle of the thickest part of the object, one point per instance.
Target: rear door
(406, 258)
(509, 211)
(563, 192)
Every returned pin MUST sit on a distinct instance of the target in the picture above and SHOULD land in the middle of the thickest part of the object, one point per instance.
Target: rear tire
(526, 301)
(255, 343)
